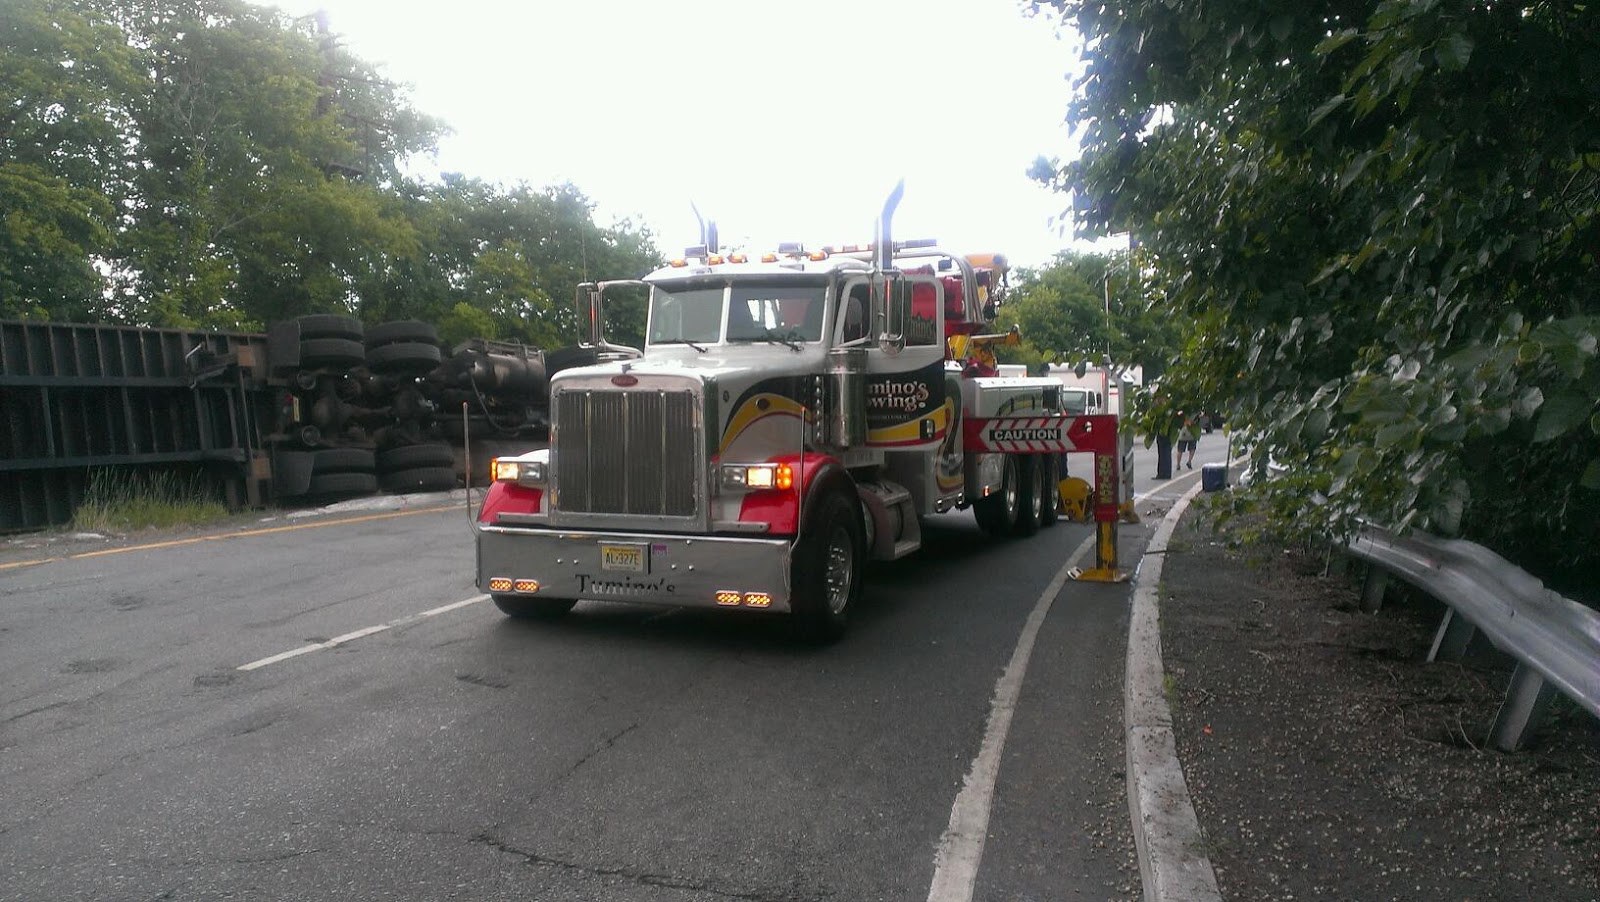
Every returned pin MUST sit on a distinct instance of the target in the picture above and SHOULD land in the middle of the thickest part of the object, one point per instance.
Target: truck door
(905, 362)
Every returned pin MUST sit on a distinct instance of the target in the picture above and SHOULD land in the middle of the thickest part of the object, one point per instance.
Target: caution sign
(1057, 433)
(1020, 434)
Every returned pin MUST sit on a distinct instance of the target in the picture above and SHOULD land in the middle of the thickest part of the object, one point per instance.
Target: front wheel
(518, 607)
(826, 568)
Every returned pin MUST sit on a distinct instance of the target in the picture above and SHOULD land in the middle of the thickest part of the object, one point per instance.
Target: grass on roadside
(119, 499)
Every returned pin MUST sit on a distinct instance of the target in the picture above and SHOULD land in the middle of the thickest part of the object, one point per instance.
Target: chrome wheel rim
(840, 568)
(1010, 488)
(1036, 503)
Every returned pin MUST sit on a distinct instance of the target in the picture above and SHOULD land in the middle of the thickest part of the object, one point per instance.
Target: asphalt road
(327, 708)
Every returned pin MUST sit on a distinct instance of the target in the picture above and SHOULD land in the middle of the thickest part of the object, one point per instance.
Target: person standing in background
(1188, 437)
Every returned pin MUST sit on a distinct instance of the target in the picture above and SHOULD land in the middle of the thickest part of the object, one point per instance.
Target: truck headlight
(530, 473)
(755, 477)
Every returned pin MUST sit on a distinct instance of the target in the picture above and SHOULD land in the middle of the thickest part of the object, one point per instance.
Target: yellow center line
(151, 546)
(15, 564)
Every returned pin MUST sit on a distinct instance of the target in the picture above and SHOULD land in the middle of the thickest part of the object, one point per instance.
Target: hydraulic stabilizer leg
(1107, 512)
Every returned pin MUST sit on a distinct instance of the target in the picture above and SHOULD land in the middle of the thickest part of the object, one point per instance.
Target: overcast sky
(781, 121)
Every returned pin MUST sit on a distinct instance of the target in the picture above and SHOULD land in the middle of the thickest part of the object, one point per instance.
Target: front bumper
(680, 571)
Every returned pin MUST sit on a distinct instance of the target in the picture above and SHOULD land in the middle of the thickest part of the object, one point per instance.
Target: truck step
(905, 547)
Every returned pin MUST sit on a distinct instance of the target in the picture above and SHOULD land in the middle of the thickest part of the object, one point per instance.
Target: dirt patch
(1327, 760)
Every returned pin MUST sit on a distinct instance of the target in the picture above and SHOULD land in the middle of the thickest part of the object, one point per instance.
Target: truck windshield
(690, 316)
(777, 313)
(1075, 401)
(784, 314)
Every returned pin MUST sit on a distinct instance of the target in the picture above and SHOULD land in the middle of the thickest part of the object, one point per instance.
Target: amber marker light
(783, 477)
(728, 597)
(757, 600)
(500, 584)
(527, 585)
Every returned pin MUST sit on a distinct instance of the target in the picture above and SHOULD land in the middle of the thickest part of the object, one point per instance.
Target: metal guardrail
(1554, 640)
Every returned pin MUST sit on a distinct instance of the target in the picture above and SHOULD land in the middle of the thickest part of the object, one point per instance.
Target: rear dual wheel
(1051, 511)
(1026, 500)
(1030, 508)
(997, 514)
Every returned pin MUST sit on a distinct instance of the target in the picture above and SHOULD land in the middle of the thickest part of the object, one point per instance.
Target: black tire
(331, 352)
(407, 457)
(343, 460)
(826, 570)
(405, 330)
(420, 479)
(1051, 512)
(1030, 506)
(406, 357)
(997, 514)
(330, 325)
(343, 484)
(518, 607)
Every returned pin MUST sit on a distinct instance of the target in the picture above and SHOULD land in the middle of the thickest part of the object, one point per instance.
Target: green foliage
(63, 73)
(1381, 217)
(216, 164)
(51, 231)
(1084, 307)
(465, 321)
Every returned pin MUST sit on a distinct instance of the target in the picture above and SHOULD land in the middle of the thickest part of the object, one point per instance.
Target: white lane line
(361, 633)
(955, 867)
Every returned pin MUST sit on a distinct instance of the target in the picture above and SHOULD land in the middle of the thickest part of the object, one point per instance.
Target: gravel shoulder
(1327, 760)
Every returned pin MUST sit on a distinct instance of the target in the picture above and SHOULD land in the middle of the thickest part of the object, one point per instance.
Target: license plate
(628, 558)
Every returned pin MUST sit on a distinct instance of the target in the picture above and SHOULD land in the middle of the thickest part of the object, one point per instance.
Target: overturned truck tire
(405, 330)
(420, 479)
(409, 457)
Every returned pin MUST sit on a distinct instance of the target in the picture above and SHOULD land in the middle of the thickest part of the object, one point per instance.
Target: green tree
(1083, 308)
(269, 149)
(64, 157)
(1381, 216)
(516, 254)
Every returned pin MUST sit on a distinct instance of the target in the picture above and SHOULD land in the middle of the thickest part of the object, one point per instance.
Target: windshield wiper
(681, 341)
(790, 339)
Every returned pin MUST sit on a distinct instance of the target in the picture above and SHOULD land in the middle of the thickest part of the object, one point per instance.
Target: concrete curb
(1173, 864)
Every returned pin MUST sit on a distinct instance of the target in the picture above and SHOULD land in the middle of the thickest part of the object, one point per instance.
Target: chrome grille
(626, 452)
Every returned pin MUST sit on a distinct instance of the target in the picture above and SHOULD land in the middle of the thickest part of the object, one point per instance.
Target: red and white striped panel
(1093, 432)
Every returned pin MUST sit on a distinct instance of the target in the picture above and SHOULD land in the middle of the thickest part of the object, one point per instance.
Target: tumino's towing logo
(625, 587)
(906, 396)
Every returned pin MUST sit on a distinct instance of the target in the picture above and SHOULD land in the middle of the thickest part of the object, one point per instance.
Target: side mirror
(588, 304)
